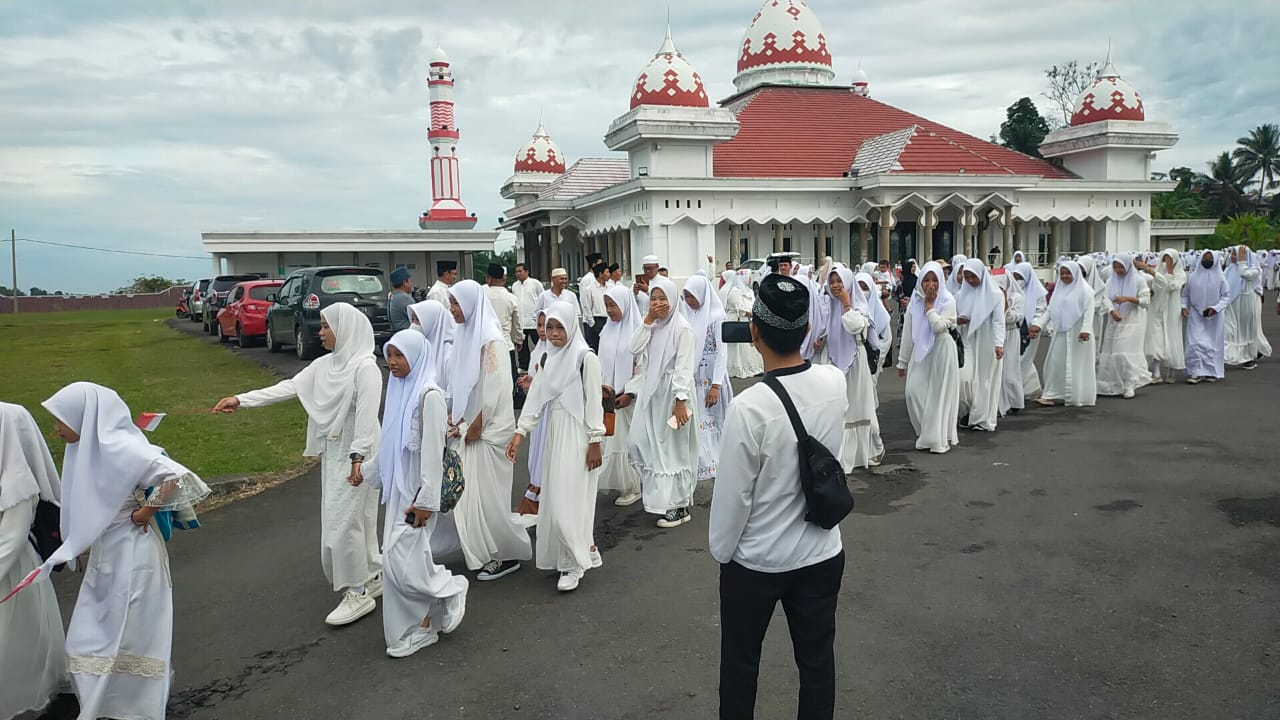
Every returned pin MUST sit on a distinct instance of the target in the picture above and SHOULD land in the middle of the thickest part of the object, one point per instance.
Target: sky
(138, 124)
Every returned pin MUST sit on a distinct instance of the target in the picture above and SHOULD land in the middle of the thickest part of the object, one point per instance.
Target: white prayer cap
(559, 271)
(650, 260)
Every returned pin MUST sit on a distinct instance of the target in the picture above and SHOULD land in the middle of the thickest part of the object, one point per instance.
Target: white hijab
(879, 315)
(1123, 285)
(1235, 283)
(1069, 300)
(102, 469)
(616, 361)
(977, 303)
(921, 332)
(401, 414)
(842, 347)
(1032, 290)
(436, 324)
(26, 466)
(1204, 285)
(710, 311)
(957, 265)
(664, 337)
(327, 386)
(1179, 273)
(561, 376)
(478, 328)
(818, 311)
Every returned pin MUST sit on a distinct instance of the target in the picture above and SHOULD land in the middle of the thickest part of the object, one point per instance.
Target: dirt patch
(1247, 511)
(1119, 506)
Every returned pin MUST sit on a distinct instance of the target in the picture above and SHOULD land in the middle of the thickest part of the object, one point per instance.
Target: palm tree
(1223, 186)
(1259, 154)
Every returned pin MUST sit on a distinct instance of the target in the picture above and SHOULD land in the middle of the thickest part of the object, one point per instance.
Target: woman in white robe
(706, 316)
(341, 393)
(744, 359)
(980, 315)
(881, 330)
(1205, 299)
(480, 385)
(849, 323)
(33, 660)
(619, 372)
(1093, 276)
(1164, 318)
(1069, 369)
(1245, 341)
(410, 472)
(566, 395)
(527, 512)
(120, 638)
(663, 446)
(1122, 365)
(1012, 398)
(1033, 305)
(928, 360)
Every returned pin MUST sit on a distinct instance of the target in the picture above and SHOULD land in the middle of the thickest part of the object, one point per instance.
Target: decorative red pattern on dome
(1109, 98)
(531, 163)
(816, 132)
(771, 54)
(671, 93)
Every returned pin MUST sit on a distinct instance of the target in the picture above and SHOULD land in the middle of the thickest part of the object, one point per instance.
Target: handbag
(873, 354)
(1024, 336)
(46, 533)
(955, 335)
(451, 481)
(825, 486)
(608, 398)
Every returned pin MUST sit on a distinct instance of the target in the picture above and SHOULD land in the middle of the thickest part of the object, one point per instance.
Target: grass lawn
(155, 369)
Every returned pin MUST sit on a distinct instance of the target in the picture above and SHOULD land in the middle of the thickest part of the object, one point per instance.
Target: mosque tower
(447, 210)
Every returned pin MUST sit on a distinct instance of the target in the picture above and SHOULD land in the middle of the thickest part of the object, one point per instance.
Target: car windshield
(262, 291)
(204, 285)
(351, 284)
(221, 284)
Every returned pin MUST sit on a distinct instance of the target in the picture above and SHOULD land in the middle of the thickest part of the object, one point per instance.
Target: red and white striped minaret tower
(447, 210)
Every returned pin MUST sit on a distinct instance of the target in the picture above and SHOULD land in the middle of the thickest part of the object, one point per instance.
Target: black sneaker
(1249, 365)
(675, 518)
(497, 569)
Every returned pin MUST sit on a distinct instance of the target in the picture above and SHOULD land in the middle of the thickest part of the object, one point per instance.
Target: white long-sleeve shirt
(505, 305)
(527, 292)
(368, 398)
(547, 297)
(757, 505)
(592, 302)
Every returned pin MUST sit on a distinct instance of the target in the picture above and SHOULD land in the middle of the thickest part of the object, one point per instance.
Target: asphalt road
(1116, 562)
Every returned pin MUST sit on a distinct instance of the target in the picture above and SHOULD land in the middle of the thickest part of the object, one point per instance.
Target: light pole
(13, 249)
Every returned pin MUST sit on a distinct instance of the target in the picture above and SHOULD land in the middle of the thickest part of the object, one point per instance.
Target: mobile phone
(735, 332)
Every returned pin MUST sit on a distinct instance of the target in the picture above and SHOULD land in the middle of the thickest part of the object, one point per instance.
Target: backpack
(826, 489)
(46, 534)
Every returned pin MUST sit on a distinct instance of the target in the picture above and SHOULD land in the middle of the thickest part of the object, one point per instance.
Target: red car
(245, 315)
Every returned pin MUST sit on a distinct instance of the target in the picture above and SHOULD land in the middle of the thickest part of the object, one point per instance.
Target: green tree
(35, 291)
(1223, 187)
(1250, 229)
(1181, 203)
(148, 284)
(8, 292)
(480, 264)
(1066, 82)
(1258, 154)
(1024, 128)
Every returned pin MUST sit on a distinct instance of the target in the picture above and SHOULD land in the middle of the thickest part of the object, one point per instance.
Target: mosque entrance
(902, 242)
(944, 241)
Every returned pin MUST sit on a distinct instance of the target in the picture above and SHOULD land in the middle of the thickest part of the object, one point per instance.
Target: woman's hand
(1185, 313)
(622, 401)
(142, 517)
(524, 381)
(420, 516)
(1083, 337)
(514, 446)
(999, 353)
(357, 475)
(902, 372)
(1033, 332)
(473, 430)
(713, 396)
(1115, 315)
(962, 320)
(226, 405)
(681, 413)
(658, 309)
(595, 457)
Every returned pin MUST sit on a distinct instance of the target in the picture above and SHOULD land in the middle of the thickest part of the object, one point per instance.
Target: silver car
(195, 303)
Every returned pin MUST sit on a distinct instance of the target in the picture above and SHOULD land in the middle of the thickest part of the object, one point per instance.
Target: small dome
(861, 84)
(540, 155)
(669, 79)
(1110, 97)
(438, 56)
(784, 35)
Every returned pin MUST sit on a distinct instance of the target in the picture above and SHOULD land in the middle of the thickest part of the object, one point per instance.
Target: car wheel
(272, 345)
(222, 338)
(300, 346)
(242, 342)
(192, 317)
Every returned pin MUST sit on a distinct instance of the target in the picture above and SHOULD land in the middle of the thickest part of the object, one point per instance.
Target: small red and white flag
(149, 421)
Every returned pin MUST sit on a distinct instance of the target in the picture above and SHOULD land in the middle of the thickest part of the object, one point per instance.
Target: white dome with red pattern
(1110, 97)
(784, 43)
(540, 155)
(669, 79)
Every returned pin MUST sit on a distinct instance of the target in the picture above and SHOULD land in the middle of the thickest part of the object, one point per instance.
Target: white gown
(1070, 373)
(415, 586)
(1030, 377)
(616, 472)
(1244, 337)
(712, 369)
(348, 515)
(1012, 396)
(483, 515)
(744, 359)
(862, 442)
(666, 459)
(1122, 365)
(567, 511)
(981, 376)
(1164, 322)
(933, 383)
(1205, 337)
(33, 660)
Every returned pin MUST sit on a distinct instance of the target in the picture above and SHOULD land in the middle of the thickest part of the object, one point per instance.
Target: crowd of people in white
(625, 388)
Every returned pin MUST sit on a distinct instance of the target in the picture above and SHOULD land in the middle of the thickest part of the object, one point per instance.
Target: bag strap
(806, 482)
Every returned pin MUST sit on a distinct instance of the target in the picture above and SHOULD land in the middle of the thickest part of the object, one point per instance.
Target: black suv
(215, 298)
(294, 317)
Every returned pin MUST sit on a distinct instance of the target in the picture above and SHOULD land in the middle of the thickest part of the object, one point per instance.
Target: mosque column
(928, 221)
(1056, 242)
(1006, 247)
(777, 237)
(554, 231)
(1088, 236)
(886, 225)
(966, 243)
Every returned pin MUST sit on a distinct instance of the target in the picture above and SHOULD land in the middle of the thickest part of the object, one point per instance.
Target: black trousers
(747, 600)
(591, 333)
(530, 342)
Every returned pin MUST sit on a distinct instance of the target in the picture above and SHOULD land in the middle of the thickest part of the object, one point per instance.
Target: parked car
(756, 266)
(294, 317)
(215, 298)
(195, 305)
(245, 315)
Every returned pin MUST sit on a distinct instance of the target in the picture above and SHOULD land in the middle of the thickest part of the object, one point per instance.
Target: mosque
(795, 161)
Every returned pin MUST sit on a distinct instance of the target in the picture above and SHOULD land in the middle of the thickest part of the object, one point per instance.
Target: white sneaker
(569, 580)
(627, 499)
(412, 642)
(1128, 395)
(454, 608)
(374, 586)
(596, 560)
(351, 608)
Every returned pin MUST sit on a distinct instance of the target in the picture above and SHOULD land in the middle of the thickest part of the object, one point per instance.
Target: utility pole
(13, 242)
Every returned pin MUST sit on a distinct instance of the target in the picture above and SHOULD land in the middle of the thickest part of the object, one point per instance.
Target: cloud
(138, 125)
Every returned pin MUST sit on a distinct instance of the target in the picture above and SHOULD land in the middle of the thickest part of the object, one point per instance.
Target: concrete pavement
(1113, 562)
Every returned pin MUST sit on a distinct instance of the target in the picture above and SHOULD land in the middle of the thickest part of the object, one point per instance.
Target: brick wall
(56, 303)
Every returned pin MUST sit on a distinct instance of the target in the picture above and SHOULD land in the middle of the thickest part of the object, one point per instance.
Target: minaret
(447, 210)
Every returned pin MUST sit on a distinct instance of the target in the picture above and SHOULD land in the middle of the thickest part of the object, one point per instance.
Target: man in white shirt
(650, 263)
(527, 290)
(767, 551)
(446, 276)
(593, 310)
(559, 292)
(504, 304)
